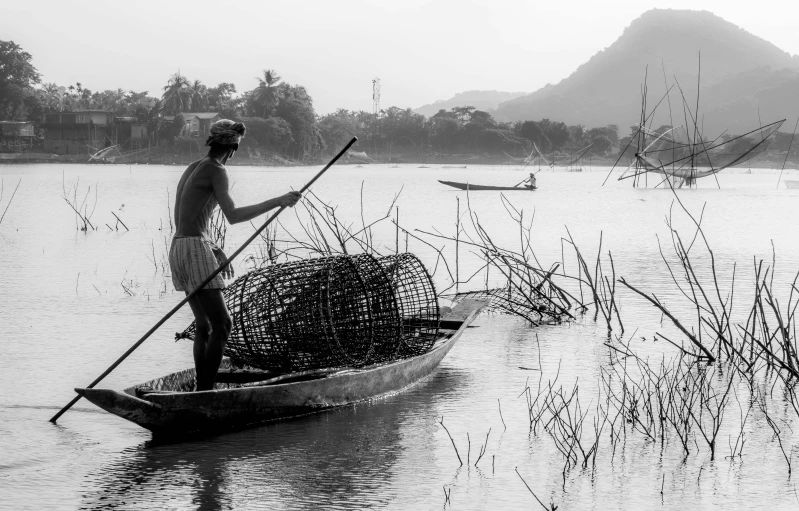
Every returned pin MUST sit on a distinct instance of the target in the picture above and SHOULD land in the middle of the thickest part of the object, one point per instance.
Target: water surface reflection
(334, 460)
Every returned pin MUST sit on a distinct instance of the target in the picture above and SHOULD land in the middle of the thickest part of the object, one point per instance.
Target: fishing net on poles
(678, 153)
(329, 312)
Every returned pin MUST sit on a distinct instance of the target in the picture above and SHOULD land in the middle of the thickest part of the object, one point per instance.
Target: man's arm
(235, 215)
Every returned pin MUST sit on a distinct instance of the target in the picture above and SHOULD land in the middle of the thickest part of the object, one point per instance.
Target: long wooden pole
(201, 286)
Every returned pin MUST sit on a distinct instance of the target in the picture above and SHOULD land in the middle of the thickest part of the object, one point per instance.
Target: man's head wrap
(226, 132)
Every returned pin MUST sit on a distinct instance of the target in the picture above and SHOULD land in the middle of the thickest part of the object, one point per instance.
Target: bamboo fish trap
(331, 311)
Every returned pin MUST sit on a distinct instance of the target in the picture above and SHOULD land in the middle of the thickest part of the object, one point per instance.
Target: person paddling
(531, 182)
(193, 257)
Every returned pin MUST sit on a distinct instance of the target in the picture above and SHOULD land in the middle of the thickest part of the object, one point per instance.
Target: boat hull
(180, 413)
(793, 185)
(472, 187)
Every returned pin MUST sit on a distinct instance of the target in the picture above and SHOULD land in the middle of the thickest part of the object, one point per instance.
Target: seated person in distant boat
(531, 182)
(193, 257)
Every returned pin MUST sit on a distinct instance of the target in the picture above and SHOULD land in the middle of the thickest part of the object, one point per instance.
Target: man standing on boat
(193, 257)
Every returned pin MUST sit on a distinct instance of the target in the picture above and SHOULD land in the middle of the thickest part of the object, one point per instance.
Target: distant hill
(739, 103)
(739, 74)
(480, 99)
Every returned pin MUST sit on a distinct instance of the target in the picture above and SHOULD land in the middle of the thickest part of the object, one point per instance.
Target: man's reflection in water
(343, 457)
(206, 489)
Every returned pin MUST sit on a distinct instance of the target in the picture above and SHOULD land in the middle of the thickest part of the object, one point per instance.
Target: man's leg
(213, 305)
(202, 331)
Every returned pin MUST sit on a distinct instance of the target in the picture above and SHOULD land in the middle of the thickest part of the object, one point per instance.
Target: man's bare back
(195, 199)
(193, 258)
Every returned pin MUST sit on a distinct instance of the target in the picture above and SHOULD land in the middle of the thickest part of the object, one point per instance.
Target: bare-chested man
(193, 257)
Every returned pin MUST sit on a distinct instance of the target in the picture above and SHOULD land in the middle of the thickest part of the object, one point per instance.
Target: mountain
(740, 73)
(480, 99)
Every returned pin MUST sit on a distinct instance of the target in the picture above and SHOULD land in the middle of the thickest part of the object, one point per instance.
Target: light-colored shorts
(192, 260)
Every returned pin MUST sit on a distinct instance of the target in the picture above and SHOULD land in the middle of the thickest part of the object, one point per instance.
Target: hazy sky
(422, 50)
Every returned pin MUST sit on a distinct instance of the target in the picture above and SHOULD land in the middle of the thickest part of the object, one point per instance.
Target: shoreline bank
(379, 159)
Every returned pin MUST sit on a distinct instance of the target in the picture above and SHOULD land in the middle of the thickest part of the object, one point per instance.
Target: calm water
(71, 302)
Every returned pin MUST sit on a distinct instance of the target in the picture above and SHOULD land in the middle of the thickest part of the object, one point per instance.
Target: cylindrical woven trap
(316, 313)
(331, 311)
(417, 302)
(323, 312)
(383, 309)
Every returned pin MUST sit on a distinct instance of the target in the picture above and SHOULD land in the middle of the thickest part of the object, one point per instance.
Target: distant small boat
(454, 167)
(793, 185)
(471, 187)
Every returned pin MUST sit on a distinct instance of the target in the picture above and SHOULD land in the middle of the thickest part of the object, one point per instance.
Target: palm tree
(177, 94)
(267, 94)
(51, 96)
(199, 95)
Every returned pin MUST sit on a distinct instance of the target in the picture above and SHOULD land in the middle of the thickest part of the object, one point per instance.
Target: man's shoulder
(210, 166)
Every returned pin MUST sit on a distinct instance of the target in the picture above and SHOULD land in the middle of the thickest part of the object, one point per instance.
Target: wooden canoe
(167, 407)
(472, 187)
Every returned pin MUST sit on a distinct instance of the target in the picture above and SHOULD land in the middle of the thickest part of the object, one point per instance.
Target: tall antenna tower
(376, 96)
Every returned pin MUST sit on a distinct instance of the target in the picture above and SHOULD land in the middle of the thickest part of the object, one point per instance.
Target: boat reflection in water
(339, 458)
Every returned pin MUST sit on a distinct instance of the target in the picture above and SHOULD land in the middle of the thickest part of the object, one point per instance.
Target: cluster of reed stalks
(559, 413)
(601, 286)
(723, 375)
(323, 232)
(717, 353)
(678, 398)
(80, 206)
(483, 448)
(685, 398)
(531, 291)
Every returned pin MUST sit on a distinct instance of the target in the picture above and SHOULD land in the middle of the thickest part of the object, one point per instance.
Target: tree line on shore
(281, 119)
